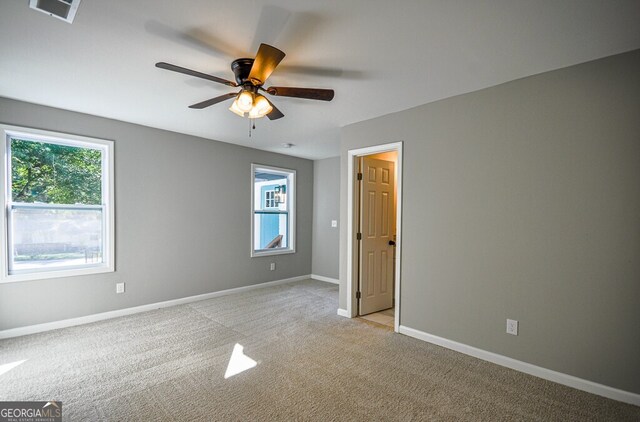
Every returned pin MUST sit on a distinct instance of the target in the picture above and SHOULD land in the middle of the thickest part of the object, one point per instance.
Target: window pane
(270, 192)
(44, 238)
(55, 174)
(271, 230)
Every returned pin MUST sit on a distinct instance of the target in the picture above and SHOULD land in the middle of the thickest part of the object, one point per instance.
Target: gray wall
(523, 201)
(326, 207)
(182, 221)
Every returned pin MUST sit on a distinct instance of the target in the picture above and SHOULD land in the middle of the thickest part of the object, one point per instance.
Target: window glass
(272, 210)
(58, 174)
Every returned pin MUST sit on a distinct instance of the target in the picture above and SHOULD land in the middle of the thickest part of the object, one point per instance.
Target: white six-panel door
(377, 216)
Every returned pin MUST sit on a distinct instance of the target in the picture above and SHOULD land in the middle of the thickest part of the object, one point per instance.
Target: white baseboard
(344, 313)
(323, 278)
(559, 377)
(38, 328)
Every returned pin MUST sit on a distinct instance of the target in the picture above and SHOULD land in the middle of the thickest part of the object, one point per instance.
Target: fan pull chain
(252, 126)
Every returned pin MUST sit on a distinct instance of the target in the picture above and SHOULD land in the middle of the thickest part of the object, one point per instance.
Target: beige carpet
(169, 364)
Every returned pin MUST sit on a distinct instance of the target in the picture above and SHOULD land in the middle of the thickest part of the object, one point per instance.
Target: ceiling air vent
(61, 9)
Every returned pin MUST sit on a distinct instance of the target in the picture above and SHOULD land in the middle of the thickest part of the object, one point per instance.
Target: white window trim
(108, 264)
(291, 201)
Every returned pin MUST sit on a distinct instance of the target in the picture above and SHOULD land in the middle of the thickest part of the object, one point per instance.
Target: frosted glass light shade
(261, 108)
(245, 101)
(234, 108)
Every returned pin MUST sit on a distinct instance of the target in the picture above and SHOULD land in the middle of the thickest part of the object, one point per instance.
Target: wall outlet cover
(272, 266)
(334, 223)
(119, 287)
(512, 327)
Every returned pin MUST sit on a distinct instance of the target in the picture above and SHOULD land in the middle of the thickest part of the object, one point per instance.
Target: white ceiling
(379, 56)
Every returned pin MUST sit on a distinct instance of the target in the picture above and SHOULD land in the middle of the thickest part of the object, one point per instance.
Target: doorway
(374, 233)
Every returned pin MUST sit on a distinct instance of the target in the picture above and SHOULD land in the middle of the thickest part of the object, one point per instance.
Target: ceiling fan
(250, 75)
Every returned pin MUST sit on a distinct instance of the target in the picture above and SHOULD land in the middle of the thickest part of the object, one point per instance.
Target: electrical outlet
(512, 327)
(334, 223)
(273, 266)
(119, 287)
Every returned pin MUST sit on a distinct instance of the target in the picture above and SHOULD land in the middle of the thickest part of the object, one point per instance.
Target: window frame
(108, 199)
(291, 203)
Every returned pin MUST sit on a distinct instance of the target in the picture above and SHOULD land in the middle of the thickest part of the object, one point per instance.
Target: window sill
(266, 252)
(32, 276)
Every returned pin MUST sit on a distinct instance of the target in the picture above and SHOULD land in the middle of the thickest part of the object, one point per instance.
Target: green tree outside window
(55, 174)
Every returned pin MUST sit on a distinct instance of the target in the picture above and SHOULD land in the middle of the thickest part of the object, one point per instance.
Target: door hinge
(359, 236)
(359, 176)
(358, 295)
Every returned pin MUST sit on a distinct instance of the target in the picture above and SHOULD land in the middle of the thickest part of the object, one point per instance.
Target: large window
(57, 196)
(273, 210)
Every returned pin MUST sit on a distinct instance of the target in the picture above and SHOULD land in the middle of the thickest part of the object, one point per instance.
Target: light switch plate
(334, 223)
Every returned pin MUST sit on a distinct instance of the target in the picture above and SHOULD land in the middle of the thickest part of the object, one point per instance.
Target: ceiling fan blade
(266, 60)
(184, 70)
(275, 114)
(272, 21)
(323, 72)
(199, 38)
(213, 101)
(309, 93)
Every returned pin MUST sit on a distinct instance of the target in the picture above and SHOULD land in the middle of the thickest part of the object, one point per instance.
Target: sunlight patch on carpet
(239, 362)
(9, 366)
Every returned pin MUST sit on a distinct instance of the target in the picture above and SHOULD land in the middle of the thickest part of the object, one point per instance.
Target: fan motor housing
(241, 69)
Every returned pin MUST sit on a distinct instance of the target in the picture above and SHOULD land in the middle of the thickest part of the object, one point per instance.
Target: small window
(273, 210)
(270, 199)
(58, 205)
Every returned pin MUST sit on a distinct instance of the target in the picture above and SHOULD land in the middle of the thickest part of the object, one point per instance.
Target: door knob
(392, 243)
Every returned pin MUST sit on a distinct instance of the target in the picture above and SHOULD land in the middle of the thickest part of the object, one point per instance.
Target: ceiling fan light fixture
(250, 75)
(234, 108)
(245, 101)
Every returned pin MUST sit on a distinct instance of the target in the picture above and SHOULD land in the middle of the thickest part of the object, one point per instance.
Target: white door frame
(352, 155)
